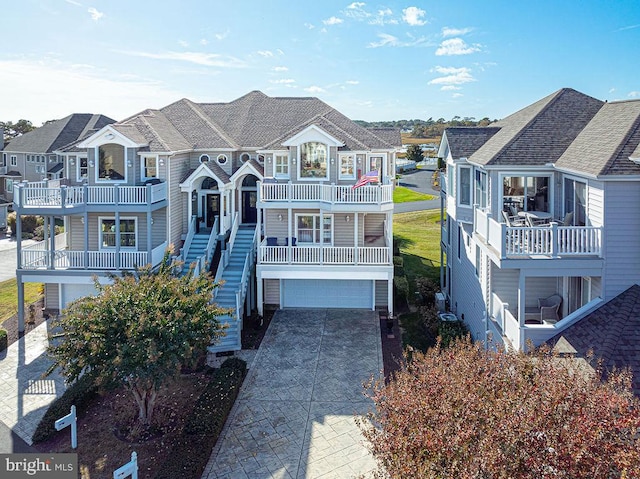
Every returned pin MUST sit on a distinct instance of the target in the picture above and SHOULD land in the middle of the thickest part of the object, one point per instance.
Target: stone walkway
(295, 415)
(25, 394)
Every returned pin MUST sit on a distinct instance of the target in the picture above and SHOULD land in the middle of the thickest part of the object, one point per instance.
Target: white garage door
(324, 293)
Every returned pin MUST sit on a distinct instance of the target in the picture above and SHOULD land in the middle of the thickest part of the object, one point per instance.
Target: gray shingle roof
(539, 133)
(57, 134)
(606, 143)
(611, 333)
(253, 121)
(465, 141)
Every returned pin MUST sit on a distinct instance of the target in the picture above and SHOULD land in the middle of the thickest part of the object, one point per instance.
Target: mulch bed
(31, 322)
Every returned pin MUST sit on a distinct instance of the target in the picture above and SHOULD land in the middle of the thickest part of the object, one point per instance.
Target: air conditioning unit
(441, 302)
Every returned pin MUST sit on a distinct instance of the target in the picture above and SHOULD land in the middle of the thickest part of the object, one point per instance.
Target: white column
(390, 295)
(260, 295)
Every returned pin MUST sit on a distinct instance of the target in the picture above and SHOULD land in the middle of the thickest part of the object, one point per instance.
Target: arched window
(313, 160)
(111, 162)
(249, 180)
(209, 184)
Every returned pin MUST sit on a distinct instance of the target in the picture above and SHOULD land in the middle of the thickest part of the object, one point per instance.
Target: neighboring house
(540, 206)
(32, 156)
(214, 180)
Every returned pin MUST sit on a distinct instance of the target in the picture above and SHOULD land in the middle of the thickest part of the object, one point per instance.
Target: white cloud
(356, 5)
(283, 81)
(73, 2)
(199, 58)
(314, 89)
(183, 43)
(634, 94)
(352, 82)
(611, 90)
(279, 52)
(383, 17)
(386, 40)
(413, 16)
(450, 88)
(454, 32)
(73, 88)
(457, 95)
(223, 35)
(265, 53)
(452, 76)
(356, 11)
(310, 26)
(456, 46)
(333, 21)
(280, 69)
(95, 14)
(204, 41)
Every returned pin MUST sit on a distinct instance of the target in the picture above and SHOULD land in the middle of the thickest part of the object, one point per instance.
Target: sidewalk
(25, 393)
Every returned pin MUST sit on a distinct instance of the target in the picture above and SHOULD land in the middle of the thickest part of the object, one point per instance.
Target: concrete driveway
(294, 417)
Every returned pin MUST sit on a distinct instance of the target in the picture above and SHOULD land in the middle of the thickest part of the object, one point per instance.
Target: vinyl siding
(504, 283)
(382, 288)
(595, 202)
(177, 221)
(272, 291)
(620, 243)
(51, 296)
(76, 230)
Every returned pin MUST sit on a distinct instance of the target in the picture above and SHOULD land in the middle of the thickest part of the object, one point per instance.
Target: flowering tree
(465, 412)
(138, 331)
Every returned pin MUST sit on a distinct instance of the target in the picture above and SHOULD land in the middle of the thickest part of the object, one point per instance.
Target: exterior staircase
(196, 250)
(232, 294)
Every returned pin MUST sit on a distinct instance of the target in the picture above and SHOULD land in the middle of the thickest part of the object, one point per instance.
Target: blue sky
(370, 60)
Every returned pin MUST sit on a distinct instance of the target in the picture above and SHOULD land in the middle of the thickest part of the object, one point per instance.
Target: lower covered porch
(527, 310)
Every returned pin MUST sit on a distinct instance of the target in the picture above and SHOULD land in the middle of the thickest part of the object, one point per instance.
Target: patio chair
(547, 310)
(568, 219)
(272, 241)
(512, 220)
(293, 241)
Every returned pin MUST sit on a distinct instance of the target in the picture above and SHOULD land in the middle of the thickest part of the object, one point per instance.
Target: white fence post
(129, 469)
(69, 420)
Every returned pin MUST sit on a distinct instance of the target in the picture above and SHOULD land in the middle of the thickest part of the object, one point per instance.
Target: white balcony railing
(297, 192)
(100, 260)
(41, 195)
(314, 254)
(550, 240)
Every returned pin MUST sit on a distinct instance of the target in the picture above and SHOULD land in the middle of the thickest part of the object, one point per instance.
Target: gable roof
(465, 141)
(253, 121)
(605, 145)
(539, 133)
(611, 333)
(55, 135)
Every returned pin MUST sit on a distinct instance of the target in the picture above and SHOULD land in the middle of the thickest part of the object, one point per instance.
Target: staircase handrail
(211, 244)
(234, 231)
(184, 251)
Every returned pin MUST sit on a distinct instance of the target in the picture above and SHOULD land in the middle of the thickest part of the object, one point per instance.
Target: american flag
(369, 177)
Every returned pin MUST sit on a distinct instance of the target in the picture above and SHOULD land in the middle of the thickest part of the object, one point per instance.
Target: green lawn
(9, 296)
(418, 236)
(405, 195)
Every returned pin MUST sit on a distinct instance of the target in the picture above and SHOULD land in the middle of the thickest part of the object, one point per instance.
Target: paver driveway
(294, 417)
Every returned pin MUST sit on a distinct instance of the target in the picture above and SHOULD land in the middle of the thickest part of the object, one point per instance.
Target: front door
(211, 208)
(249, 210)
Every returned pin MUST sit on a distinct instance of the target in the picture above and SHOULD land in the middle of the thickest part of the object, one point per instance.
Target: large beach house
(541, 228)
(260, 188)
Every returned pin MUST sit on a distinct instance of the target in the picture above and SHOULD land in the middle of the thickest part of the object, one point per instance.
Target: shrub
(4, 340)
(450, 331)
(398, 261)
(79, 394)
(463, 412)
(29, 224)
(192, 449)
(402, 287)
(11, 222)
(427, 289)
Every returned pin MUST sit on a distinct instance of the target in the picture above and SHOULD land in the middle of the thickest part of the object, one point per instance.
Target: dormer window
(111, 162)
(204, 158)
(222, 159)
(313, 160)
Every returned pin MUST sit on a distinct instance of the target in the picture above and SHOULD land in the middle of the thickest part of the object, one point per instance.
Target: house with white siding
(540, 227)
(259, 190)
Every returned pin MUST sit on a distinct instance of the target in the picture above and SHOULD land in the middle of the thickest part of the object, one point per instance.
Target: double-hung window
(9, 185)
(310, 227)
(149, 167)
(281, 166)
(347, 166)
(108, 233)
(83, 168)
(14, 160)
(481, 189)
(464, 186)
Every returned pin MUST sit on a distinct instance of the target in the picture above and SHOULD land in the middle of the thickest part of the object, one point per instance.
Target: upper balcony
(54, 198)
(330, 197)
(325, 255)
(538, 242)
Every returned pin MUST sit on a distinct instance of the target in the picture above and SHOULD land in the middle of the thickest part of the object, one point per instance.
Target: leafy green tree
(138, 331)
(11, 130)
(465, 412)
(414, 153)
